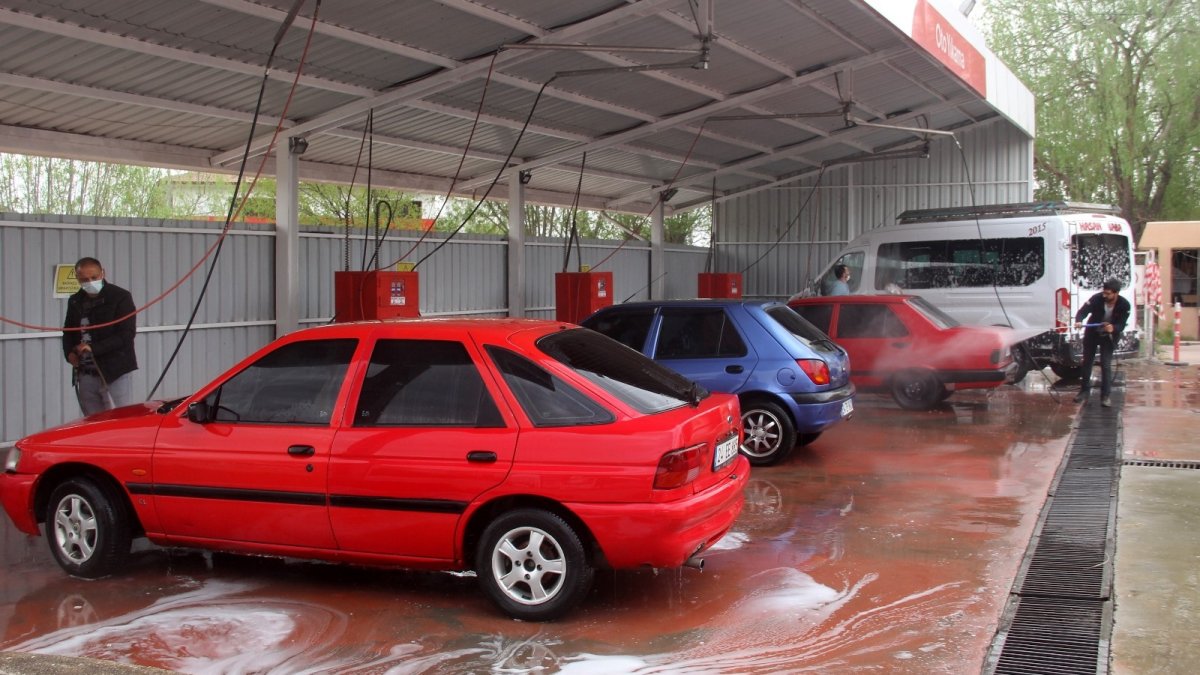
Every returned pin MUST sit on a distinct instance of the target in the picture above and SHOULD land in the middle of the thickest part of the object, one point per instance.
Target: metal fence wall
(145, 257)
(783, 237)
(468, 275)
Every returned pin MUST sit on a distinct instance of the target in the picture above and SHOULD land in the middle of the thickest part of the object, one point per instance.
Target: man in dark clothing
(102, 357)
(1106, 313)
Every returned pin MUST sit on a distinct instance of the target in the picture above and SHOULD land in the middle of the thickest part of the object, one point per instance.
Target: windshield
(938, 317)
(623, 372)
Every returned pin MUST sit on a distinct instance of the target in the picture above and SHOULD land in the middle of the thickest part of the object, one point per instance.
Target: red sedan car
(905, 345)
(530, 451)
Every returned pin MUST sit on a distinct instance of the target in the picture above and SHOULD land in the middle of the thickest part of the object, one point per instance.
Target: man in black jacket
(1107, 313)
(98, 340)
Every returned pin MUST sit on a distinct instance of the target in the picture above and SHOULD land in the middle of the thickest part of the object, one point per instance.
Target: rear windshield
(623, 372)
(938, 317)
(801, 328)
(1097, 257)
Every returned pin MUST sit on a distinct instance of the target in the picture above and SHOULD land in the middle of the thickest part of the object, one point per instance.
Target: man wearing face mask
(103, 358)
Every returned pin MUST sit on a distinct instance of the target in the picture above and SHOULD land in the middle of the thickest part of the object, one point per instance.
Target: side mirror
(199, 412)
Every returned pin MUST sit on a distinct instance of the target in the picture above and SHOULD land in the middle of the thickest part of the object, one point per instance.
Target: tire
(1065, 371)
(1020, 373)
(806, 439)
(557, 573)
(769, 433)
(87, 528)
(916, 389)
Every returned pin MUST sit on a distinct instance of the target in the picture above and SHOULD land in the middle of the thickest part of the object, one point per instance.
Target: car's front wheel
(88, 530)
(533, 565)
(768, 433)
(916, 389)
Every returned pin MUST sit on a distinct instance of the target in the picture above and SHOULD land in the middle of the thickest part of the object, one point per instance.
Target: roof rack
(1000, 211)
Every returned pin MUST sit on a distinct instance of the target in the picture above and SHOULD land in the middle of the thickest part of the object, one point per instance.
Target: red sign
(932, 31)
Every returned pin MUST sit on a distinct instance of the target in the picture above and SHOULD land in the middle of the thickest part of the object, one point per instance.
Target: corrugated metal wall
(145, 257)
(467, 276)
(783, 237)
(767, 235)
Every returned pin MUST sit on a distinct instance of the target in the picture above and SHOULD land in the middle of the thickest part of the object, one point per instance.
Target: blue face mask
(92, 287)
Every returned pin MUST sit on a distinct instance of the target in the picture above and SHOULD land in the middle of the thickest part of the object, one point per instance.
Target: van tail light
(816, 370)
(1062, 318)
(679, 467)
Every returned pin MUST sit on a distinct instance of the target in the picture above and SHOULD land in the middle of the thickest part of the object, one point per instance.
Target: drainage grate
(1163, 463)
(1059, 615)
(1054, 636)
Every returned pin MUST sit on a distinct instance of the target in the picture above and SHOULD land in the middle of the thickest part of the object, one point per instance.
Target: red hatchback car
(905, 345)
(530, 451)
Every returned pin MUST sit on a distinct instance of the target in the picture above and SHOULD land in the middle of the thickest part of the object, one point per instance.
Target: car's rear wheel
(916, 389)
(768, 435)
(532, 564)
(88, 530)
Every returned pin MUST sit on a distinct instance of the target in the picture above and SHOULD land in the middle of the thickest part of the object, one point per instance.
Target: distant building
(1177, 248)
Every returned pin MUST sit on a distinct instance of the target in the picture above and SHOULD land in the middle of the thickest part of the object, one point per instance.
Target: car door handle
(483, 456)
(301, 450)
(734, 369)
(899, 345)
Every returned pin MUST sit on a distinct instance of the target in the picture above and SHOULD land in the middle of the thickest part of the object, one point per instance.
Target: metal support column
(657, 257)
(287, 238)
(516, 243)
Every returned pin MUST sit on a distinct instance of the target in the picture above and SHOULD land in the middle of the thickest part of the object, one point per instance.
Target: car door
(425, 438)
(704, 344)
(877, 340)
(256, 471)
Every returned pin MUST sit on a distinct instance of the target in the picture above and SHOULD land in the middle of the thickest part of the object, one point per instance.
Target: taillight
(1062, 319)
(679, 467)
(815, 369)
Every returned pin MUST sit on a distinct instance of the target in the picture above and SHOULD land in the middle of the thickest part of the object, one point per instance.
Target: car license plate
(726, 451)
(847, 407)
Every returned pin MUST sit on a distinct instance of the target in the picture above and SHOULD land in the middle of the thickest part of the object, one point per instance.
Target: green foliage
(1118, 99)
(491, 217)
(30, 184)
(45, 185)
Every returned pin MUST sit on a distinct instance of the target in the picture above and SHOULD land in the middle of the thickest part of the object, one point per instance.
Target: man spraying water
(1106, 314)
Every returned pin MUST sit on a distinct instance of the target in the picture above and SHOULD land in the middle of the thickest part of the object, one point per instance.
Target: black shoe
(1106, 401)
(1081, 397)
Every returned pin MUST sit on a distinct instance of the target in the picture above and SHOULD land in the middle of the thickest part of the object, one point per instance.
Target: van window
(961, 263)
(1097, 257)
(854, 260)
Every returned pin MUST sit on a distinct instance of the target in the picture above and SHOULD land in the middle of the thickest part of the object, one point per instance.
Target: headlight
(12, 459)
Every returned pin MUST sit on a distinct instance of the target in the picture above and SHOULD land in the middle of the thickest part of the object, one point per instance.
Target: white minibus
(1028, 266)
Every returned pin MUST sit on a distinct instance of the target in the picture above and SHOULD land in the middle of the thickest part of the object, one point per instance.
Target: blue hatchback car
(793, 381)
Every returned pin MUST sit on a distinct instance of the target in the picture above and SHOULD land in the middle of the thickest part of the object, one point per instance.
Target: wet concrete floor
(889, 545)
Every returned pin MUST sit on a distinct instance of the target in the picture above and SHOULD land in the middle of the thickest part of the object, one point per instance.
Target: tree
(30, 184)
(1118, 92)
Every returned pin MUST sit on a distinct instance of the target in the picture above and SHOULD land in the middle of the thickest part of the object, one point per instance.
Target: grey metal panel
(146, 257)
(466, 275)
(683, 266)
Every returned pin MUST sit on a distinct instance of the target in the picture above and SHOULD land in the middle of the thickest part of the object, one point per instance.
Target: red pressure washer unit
(720, 285)
(578, 294)
(375, 294)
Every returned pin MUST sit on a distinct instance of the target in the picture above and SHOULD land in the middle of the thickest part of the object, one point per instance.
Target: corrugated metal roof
(183, 75)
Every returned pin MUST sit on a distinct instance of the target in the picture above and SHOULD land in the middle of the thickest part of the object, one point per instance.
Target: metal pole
(1177, 362)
